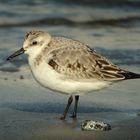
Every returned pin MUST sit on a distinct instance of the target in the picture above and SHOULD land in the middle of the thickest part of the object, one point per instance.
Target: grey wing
(83, 63)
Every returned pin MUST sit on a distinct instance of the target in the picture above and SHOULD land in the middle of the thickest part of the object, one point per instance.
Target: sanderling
(69, 66)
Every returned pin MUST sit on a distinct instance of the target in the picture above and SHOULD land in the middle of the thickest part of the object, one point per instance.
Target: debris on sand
(89, 125)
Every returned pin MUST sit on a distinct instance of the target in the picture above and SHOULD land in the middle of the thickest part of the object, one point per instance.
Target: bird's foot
(73, 116)
(62, 117)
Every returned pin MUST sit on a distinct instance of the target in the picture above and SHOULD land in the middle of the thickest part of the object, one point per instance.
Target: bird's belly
(49, 78)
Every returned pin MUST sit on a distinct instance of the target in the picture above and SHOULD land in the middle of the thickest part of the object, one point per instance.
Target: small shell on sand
(89, 125)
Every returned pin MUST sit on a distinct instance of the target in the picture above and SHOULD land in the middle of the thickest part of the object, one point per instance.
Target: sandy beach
(39, 126)
(31, 112)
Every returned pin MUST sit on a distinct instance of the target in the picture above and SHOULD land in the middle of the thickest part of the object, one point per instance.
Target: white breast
(49, 78)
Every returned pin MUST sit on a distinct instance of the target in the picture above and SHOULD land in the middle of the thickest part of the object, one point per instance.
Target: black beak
(19, 52)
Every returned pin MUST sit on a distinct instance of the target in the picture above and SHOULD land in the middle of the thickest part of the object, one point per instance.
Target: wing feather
(83, 63)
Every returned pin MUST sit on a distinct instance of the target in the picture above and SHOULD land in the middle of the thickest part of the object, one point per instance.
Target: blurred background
(110, 26)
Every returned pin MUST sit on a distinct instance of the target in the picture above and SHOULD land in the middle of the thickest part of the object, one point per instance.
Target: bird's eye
(34, 42)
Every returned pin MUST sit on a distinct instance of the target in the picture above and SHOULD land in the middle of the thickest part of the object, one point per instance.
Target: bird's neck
(35, 58)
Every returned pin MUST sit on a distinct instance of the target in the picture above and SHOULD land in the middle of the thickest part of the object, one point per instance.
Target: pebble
(89, 125)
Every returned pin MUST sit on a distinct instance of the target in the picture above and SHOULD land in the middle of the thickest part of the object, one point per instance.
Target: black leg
(67, 108)
(74, 115)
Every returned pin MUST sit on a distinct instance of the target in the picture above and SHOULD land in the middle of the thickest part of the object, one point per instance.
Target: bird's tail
(130, 75)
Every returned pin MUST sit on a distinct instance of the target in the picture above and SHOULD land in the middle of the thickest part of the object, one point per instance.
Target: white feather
(49, 78)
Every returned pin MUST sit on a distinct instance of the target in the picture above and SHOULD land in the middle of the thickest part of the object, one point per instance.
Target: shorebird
(69, 66)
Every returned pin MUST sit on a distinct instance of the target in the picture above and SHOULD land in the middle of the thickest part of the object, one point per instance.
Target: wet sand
(47, 126)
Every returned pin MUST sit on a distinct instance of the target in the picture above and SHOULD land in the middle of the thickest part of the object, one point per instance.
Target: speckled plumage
(73, 59)
(77, 60)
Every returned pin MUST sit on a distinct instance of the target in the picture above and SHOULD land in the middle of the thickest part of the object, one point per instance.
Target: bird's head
(33, 43)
